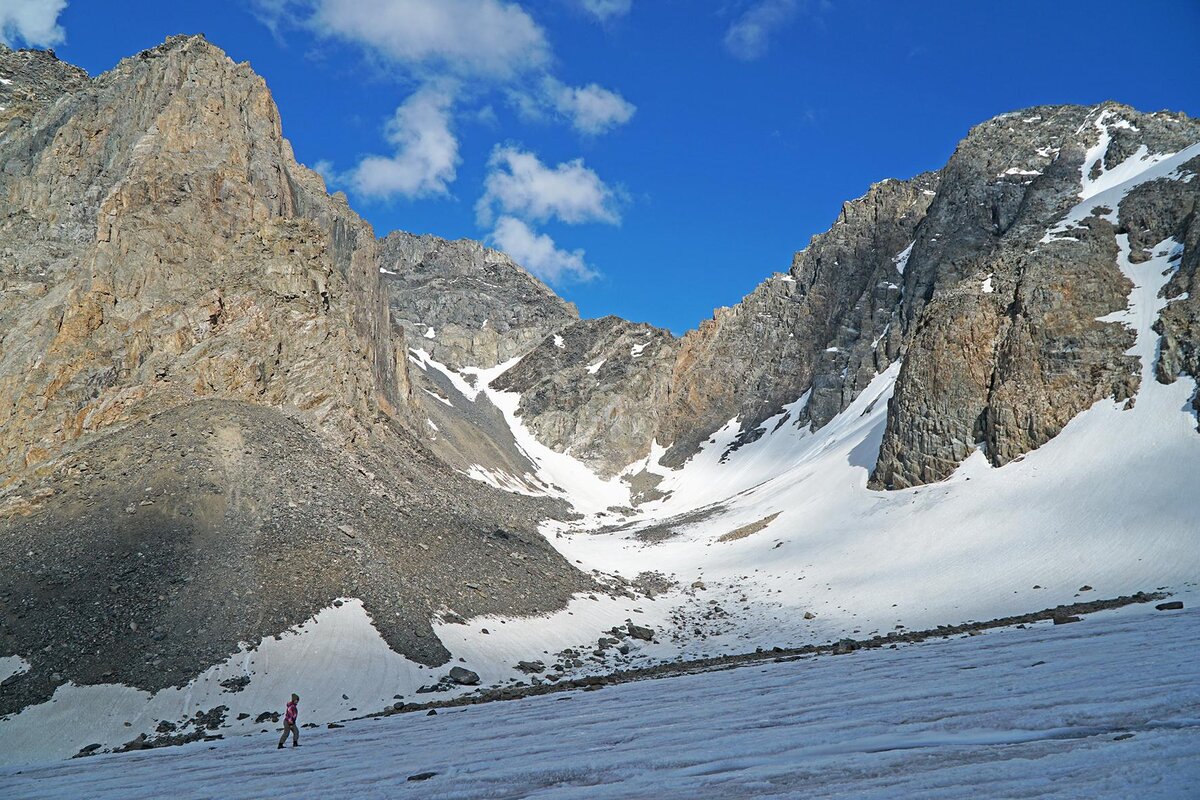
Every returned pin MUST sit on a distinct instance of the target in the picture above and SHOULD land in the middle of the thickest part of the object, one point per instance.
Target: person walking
(289, 722)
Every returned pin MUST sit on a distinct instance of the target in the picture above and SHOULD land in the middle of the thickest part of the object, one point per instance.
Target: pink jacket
(290, 715)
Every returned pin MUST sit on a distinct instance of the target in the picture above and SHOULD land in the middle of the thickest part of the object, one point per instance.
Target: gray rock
(640, 632)
(464, 677)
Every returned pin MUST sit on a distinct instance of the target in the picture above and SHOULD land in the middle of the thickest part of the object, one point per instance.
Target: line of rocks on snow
(210, 721)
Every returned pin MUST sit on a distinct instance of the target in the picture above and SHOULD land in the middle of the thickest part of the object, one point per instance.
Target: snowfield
(1105, 708)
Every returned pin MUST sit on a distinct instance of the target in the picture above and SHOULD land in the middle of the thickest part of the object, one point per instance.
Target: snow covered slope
(777, 542)
(1106, 708)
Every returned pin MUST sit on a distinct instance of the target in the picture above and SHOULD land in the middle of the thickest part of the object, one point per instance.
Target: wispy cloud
(591, 110)
(604, 10)
(426, 157)
(31, 22)
(476, 38)
(519, 184)
(748, 38)
(538, 253)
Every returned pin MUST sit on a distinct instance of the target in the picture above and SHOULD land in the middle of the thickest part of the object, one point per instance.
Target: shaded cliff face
(827, 325)
(466, 304)
(206, 420)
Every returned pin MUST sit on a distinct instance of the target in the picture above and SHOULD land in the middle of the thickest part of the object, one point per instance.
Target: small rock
(1173, 605)
(1065, 620)
(1122, 737)
(422, 776)
(1085, 588)
(432, 712)
(699, 585)
(334, 725)
(809, 615)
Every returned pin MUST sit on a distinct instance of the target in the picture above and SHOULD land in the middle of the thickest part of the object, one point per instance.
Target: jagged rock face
(162, 244)
(1152, 214)
(595, 390)
(1004, 343)
(826, 325)
(202, 400)
(30, 80)
(465, 304)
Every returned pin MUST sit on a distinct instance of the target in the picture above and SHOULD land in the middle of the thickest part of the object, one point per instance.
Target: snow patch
(1112, 183)
(901, 259)
(430, 333)
(594, 368)
(558, 342)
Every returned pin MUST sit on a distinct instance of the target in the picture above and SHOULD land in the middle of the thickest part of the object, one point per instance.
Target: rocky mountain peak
(465, 303)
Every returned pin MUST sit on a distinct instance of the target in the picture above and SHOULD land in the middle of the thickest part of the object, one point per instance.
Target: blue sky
(651, 158)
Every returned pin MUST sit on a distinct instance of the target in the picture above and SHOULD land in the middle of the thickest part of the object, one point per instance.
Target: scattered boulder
(845, 646)
(1085, 588)
(1063, 620)
(640, 632)
(464, 677)
(531, 667)
(1173, 605)
(809, 615)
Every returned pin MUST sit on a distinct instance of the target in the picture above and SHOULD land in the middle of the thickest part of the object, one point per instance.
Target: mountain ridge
(230, 411)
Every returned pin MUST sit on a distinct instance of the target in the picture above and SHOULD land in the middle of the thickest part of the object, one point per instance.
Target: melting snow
(901, 259)
(637, 349)
(987, 287)
(1110, 186)
(594, 368)
(558, 341)
(430, 333)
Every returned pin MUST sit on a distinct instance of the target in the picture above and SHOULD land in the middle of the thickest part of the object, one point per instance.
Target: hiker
(289, 723)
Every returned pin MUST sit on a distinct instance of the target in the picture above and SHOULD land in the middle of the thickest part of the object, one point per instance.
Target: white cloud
(749, 36)
(518, 183)
(426, 157)
(604, 10)
(538, 253)
(592, 109)
(31, 22)
(462, 37)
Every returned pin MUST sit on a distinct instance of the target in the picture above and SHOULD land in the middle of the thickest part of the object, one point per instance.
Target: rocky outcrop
(207, 430)
(827, 325)
(596, 390)
(466, 304)
(161, 244)
(1004, 342)
(31, 80)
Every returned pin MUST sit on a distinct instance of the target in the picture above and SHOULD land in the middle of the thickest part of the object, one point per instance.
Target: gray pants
(290, 726)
